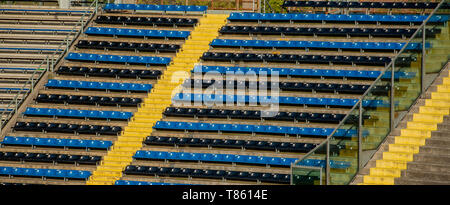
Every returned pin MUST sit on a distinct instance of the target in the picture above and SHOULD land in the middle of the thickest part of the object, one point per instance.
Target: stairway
(140, 126)
(432, 163)
(420, 154)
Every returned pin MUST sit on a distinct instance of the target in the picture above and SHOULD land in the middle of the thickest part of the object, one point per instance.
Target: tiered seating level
(220, 144)
(111, 69)
(363, 6)
(93, 94)
(27, 36)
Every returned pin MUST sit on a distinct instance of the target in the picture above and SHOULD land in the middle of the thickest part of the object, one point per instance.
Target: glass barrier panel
(308, 175)
(376, 117)
(311, 170)
(344, 150)
(408, 75)
(437, 46)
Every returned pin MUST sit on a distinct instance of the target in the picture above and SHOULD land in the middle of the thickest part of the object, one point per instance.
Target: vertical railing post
(422, 68)
(360, 123)
(327, 166)
(392, 107)
(53, 63)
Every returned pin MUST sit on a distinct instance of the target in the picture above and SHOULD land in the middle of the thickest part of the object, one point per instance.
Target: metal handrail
(49, 63)
(371, 86)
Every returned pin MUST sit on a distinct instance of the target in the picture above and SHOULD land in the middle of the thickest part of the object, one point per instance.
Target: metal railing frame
(47, 65)
(360, 100)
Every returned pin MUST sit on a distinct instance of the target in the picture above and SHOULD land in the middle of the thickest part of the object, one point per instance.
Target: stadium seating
(354, 4)
(27, 35)
(53, 142)
(98, 85)
(112, 104)
(118, 59)
(147, 21)
(335, 17)
(66, 128)
(58, 158)
(164, 8)
(277, 30)
(136, 32)
(127, 46)
(338, 59)
(288, 86)
(49, 173)
(88, 100)
(126, 182)
(310, 73)
(315, 44)
(180, 97)
(245, 159)
(241, 128)
(247, 144)
(201, 173)
(92, 114)
(108, 72)
(251, 114)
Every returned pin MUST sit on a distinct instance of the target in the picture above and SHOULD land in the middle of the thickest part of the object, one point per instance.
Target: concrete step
(441, 134)
(444, 126)
(443, 159)
(429, 176)
(435, 150)
(428, 167)
(413, 181)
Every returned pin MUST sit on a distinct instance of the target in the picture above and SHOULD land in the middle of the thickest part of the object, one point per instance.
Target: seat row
(152, 7)
(316, 44)
(30, 10)
(36, 30)
(110, 72)
(247, 144)
(111, 45)
(87, 100)
(207, 157)
(94, 85)
(219, 99)
(336, 17)
(54, 142)
(292, 58)
(136, 32)
(255, 114)
(67, 128)
(299, 72)
(127, 182)
(146, 21)
(286, 86)
(263, 129)
(40, 50)
(355, 4)
(49, 173)
(234, 158)
(91, 114)
(43, 157)
(376, 32)
(207, 173)
(147, 60)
